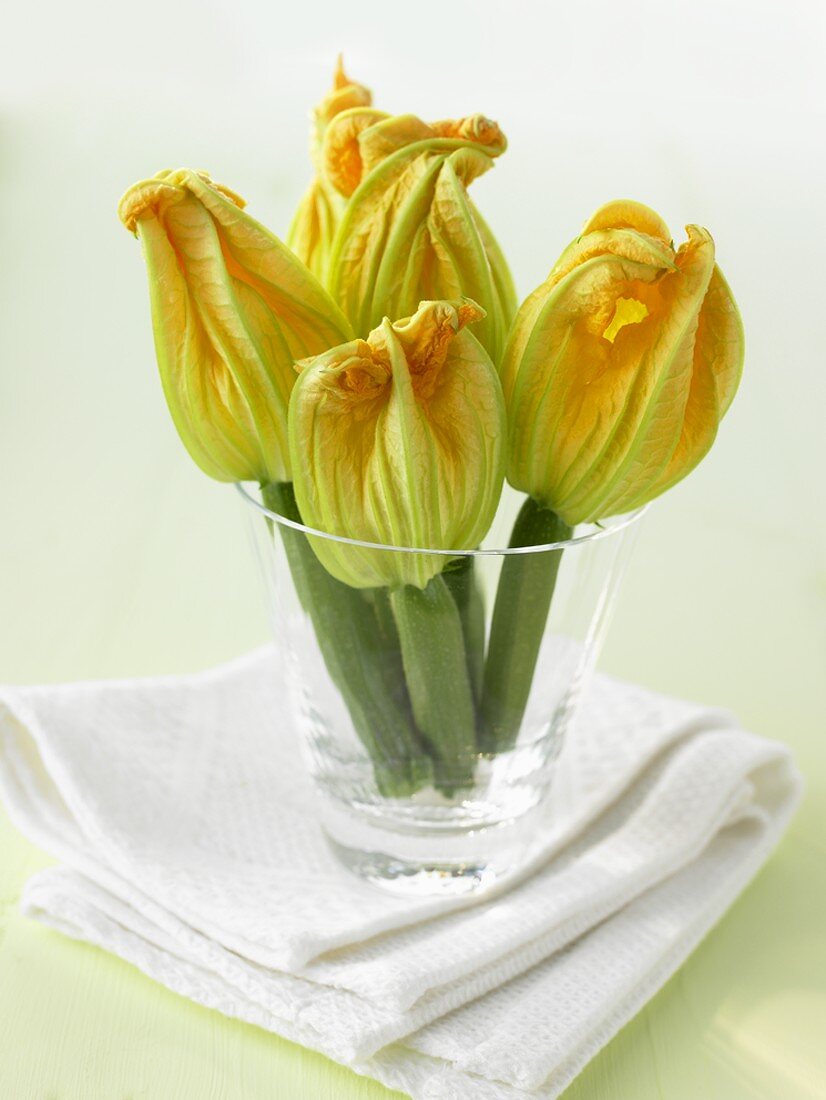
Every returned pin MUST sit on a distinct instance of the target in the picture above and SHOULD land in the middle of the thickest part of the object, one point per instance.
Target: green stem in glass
(520, 613)
(364, 667)
(435, 665)
(460, 578)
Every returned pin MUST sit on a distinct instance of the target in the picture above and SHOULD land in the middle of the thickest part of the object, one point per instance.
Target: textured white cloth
(178, 809)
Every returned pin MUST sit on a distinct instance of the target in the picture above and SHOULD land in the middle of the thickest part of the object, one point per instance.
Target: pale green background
(118, 558)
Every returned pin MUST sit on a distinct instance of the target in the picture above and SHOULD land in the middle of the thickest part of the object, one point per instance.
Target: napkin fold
(177, 808)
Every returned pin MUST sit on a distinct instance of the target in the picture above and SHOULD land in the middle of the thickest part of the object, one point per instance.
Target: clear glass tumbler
(434, 779)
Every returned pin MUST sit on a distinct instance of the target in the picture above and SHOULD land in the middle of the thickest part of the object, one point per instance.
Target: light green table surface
(118, 558)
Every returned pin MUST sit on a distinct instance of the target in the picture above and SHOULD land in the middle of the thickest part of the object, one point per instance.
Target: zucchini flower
(365, 137)
(620, 366)
(311, 234)
(409, 231)
(399, 439)
(232, 308)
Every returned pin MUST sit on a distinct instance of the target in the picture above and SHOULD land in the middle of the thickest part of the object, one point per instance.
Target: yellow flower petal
(232, 308)
(342, 162)
(619, 367)
(627, 214)
(401, 441)
(401, 131)
(311, 232)
(719, 350)
(410, 232)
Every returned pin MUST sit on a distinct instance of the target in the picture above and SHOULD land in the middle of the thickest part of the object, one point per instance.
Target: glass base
(453, 852)
(417, 879)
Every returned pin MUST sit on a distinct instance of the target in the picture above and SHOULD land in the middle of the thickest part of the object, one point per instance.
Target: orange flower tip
(341, 150)
(694, 232)
(629, 214)
(469, 312)
(340, 78)
(353, 371)
(344, 93)
(479, 129)
(151, 196)
(427, 335)
(431, 316)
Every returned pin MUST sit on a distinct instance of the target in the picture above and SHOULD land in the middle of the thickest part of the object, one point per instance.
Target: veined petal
(566, 391)
(389, 136)
(717, 365)
(307, 315)
(463, 256)
(203, 419)
(232, 307)
(410, 232)
(721, 340)
(395, 196)
(627, 244)
(502, 277)
(312, 229)
(401, 131)
(647, 433)
(344, 95)
(623, 244)
(403, 434)
(627, 214)
(619, 367)
(342, 163)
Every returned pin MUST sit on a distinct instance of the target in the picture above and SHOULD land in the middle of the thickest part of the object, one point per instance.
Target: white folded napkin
(182, 818)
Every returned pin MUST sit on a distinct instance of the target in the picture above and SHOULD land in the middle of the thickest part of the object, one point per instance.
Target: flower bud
(409, 230)
(620, 366)
(399, 439)
(311, 234)
(232, 308)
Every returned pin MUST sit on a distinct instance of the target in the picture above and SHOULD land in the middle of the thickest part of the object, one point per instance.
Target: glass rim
(602, 529)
